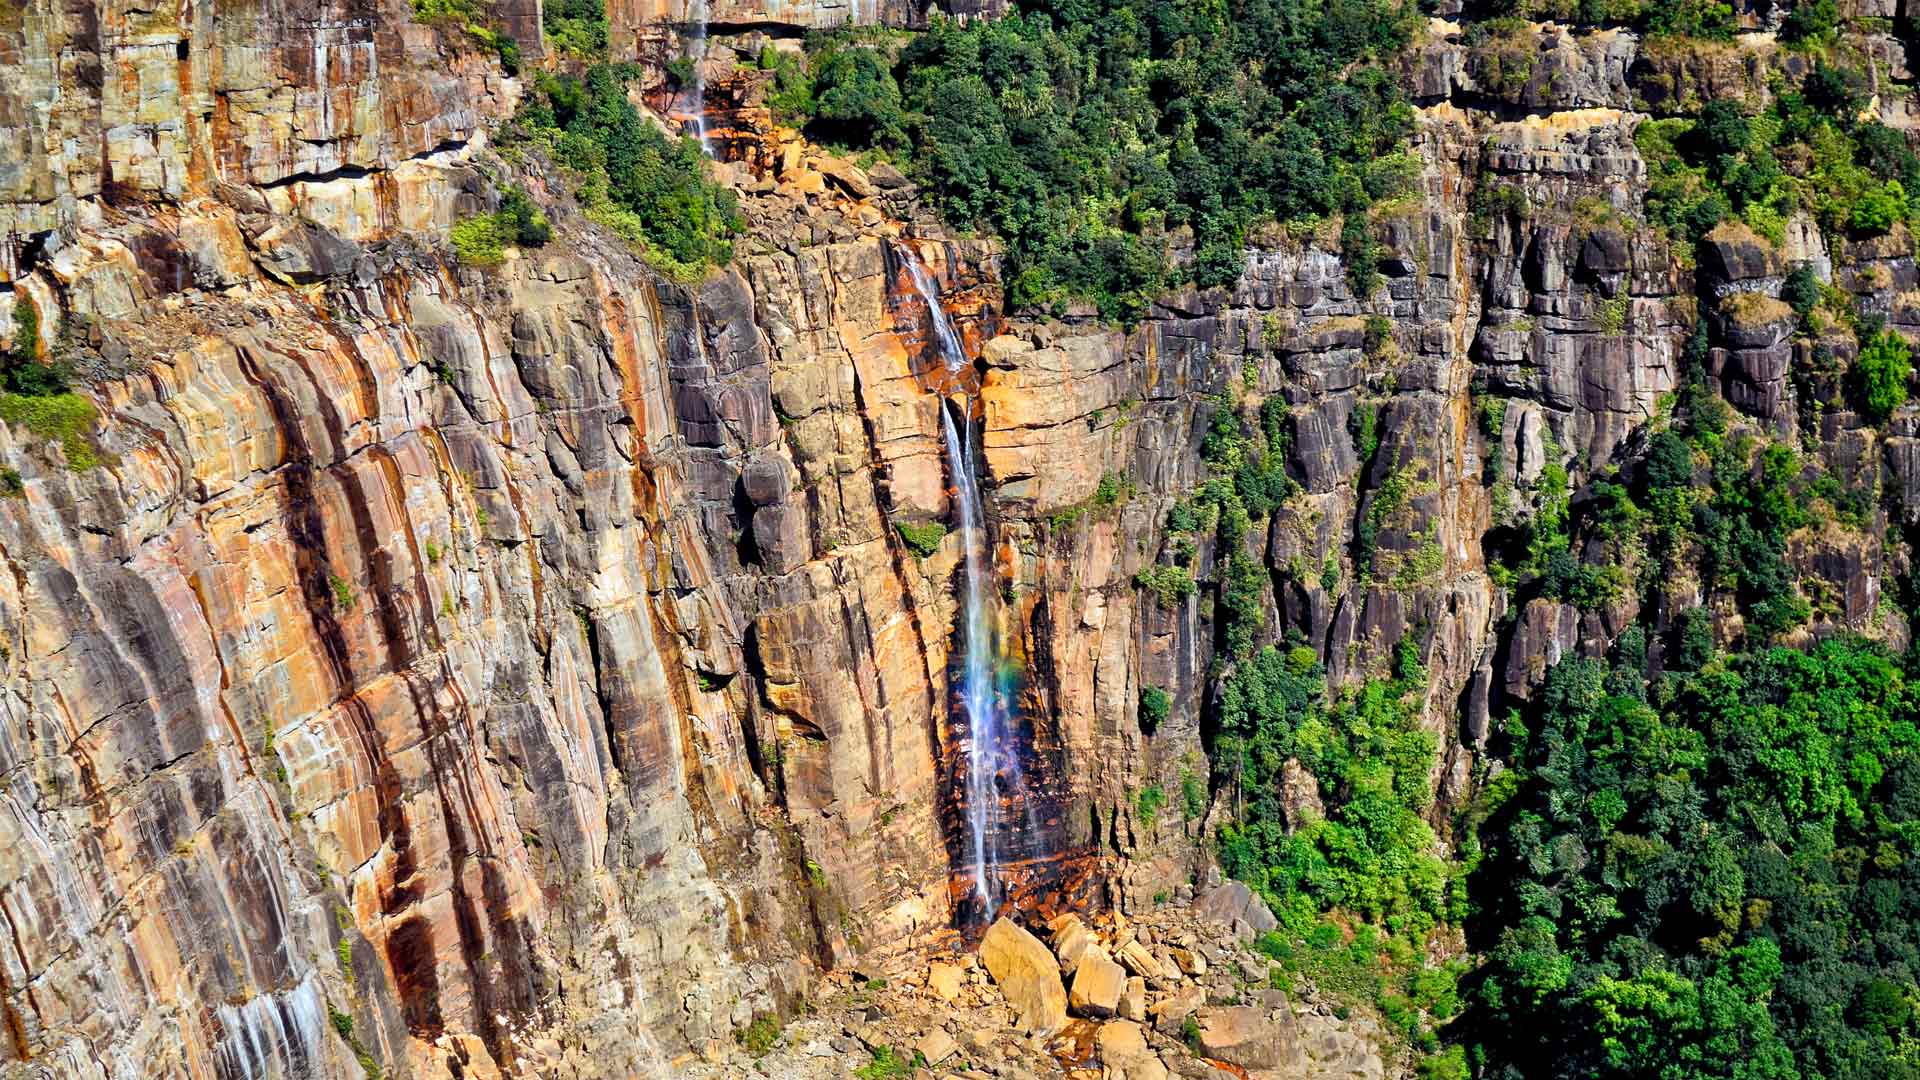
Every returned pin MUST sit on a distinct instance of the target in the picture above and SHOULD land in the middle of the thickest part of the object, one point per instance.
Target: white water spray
(697, 52)
(980, 693)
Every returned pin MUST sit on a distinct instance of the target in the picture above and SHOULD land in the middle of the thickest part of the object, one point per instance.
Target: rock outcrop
(884, 1009)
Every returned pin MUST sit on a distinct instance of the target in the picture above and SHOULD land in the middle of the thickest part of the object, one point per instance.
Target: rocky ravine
(519, 673)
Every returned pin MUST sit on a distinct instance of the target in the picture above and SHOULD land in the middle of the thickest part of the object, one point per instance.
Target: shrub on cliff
(1810, 22)
(1879, 207)
(478, 241)
(62, 417)
(1881, 372)
(1167, 584)
(889, 1064)
(1801, 290)
(649, 189)
(26, 332)
(21, 370)
(759, 1036)
(922, 538)
(1835, 89)
(482, 240)
(1155, 706)
(1362, 254)
(1710, 19)
(575, 27)
(475, 19)
(791, 96)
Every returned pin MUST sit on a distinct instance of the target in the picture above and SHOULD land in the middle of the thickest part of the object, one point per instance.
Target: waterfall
(697, 52)
(946, 338)
(981, 696)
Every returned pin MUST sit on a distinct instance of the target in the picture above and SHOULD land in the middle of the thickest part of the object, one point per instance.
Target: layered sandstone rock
(525, 664)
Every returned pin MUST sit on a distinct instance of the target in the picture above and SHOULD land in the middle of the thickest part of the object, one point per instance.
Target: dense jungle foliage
(650, 189)
(1701, 863)
(1123, 147)
(1706, 873)
(1689, 862)
(1852, 174)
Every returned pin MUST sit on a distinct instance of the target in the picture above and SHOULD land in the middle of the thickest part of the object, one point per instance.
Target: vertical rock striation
(521, 673)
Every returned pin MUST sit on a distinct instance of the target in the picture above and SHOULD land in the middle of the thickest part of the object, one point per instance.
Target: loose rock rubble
(1174, 992)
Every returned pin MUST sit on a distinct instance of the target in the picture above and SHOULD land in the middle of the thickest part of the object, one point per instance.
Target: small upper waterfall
(696, 46)
(946, 338)
(982, 697)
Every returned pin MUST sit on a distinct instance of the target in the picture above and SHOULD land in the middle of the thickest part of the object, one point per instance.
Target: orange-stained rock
(526, 663)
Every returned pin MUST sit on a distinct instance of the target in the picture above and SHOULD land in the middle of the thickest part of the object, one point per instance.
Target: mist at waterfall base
(1003, 791)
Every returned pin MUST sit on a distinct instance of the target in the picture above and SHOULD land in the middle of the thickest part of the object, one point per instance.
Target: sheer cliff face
(525, 666)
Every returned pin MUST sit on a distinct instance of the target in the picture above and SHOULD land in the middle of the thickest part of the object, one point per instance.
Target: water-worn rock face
(385, 670)
(520, 673)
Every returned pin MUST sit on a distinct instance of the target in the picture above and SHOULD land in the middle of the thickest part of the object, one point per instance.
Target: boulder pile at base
(1178, 991)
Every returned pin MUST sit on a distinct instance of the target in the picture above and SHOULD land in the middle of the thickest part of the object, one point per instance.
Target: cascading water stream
(980, 693)
(977, 691)
(945, 338)
(697, 53)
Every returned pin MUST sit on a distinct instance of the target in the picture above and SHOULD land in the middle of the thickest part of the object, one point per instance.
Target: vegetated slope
(1689, 849)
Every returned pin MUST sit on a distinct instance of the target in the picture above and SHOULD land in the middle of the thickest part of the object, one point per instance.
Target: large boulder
(1097, 985)
(1328, 1047)
(1124, 1055)
(301, 252)
(1188, 961)
(1071, 942)
(1028, 976)
(1170, 1011)
(1299, 796)
(1140, 960)
(944, 980)
(1243, 1035)
(936, 1046)
(1234, 905)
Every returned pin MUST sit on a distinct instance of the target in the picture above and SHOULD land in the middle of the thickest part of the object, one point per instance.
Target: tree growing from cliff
(1810, 22)
(1881, 373)
(26, 333)
(23, 373)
